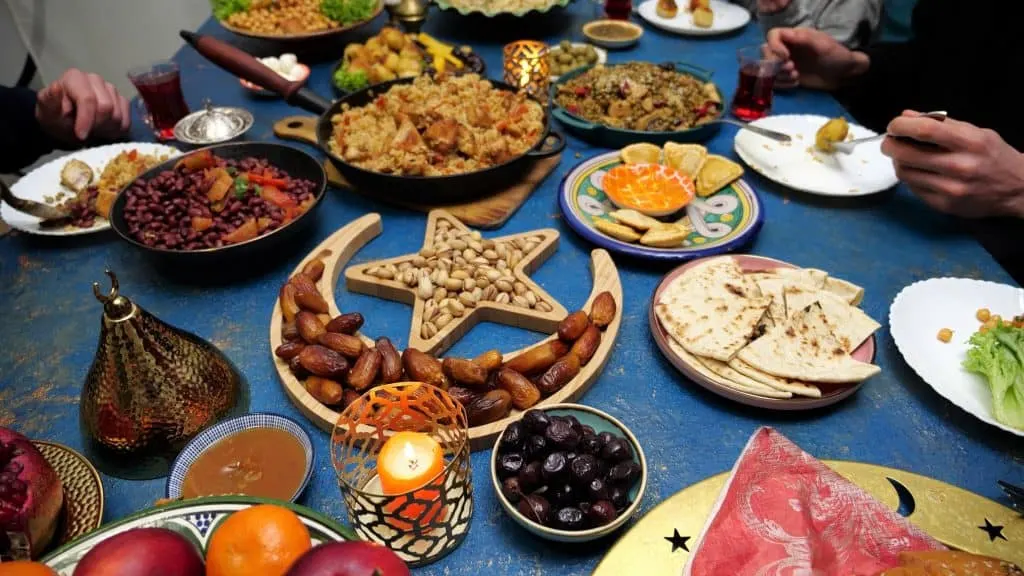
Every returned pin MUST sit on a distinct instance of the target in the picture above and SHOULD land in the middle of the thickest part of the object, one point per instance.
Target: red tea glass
(159, 87)
(618, 9)
(753, 99)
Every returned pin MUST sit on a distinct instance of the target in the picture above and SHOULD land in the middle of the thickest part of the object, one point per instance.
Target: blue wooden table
(51, 320)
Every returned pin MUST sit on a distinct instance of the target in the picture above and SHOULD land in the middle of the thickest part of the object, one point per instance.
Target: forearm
(22, 140)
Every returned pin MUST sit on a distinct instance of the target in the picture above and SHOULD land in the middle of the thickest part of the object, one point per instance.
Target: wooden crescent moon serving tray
(340, 247)
(663, 538)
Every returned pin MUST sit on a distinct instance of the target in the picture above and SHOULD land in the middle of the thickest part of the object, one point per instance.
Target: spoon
(37, 209)
(847, 147)
(772, 134)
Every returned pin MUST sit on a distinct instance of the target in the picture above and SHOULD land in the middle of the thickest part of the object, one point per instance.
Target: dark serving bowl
(305, 37)
(474, 64)
(295, 162)
(611, 137)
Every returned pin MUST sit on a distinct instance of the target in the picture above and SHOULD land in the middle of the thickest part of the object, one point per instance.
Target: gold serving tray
(661, 541)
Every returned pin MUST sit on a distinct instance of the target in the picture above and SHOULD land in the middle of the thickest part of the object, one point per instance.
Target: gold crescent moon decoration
(663, 538)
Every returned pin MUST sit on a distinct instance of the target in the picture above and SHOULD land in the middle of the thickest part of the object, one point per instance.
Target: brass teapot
(151, 389)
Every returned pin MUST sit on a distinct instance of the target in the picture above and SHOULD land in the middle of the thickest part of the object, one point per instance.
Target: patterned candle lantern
(526, 67)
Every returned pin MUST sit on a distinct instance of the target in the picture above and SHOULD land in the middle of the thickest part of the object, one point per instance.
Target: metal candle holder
(409, 14)
(424, 524)
(525, 64)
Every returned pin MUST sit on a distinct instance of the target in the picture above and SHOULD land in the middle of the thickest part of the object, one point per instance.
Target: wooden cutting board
(489, 212)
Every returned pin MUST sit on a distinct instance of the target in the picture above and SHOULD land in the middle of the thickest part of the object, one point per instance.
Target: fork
(37, 209)
(847, 147)
(1015, 494)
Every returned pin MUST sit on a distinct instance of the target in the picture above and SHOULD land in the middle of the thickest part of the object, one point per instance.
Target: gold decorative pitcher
(151, 389)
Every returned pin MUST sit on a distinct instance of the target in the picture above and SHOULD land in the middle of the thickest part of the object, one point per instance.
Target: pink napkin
(783, 513)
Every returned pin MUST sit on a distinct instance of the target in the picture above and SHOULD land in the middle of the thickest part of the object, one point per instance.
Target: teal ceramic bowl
(600, 422)
(610, 137)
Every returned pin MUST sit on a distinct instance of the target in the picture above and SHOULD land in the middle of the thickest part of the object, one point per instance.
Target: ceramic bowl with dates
(568, 472)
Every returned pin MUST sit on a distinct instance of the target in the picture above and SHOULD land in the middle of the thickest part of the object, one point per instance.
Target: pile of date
(336, 367)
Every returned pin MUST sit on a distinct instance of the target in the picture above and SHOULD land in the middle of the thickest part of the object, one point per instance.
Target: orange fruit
(25, 568)
(651, 189)
(264, 540)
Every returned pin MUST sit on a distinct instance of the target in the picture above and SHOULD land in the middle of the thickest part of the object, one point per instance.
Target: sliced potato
(703, 18)
(835, 130)
(641, 153)
(716, 173)
(686, 158)
(665, 236)
(635, 219)
(617, 231)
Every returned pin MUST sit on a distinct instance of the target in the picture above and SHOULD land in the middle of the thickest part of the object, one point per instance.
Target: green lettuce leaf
(998, 355)
(224, 8)
(347, 11)
(350, 81)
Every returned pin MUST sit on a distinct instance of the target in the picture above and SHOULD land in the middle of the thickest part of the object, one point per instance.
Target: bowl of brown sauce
(259, 454)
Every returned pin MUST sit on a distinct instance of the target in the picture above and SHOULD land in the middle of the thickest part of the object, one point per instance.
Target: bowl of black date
(568, 472)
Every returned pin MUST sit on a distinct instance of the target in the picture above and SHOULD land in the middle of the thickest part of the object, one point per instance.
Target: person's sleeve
(850, 23)
(22, 140)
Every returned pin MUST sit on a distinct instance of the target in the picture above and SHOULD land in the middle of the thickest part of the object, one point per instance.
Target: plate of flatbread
(764, 332)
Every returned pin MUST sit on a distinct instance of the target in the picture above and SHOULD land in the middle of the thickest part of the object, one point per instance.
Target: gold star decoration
(459, 278)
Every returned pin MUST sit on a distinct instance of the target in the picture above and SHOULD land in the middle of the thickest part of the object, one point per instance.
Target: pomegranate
(31, 497)
(349, 559)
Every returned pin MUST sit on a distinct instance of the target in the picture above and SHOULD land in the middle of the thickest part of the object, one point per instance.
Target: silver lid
(213, 124)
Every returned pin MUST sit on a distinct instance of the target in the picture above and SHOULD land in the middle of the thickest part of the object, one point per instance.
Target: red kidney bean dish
(208, 202)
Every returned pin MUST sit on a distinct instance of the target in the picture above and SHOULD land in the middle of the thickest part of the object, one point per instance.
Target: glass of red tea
(618, 9)
(159, 86)
(753, 99)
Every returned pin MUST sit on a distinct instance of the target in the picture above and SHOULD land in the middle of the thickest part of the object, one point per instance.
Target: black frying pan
(297, 163)
(418, 189)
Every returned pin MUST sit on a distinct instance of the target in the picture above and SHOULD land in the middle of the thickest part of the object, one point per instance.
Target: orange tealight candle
(407, 461)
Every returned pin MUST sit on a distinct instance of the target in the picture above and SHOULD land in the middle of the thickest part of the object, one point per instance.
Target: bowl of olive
(568, 56)
(568, 472)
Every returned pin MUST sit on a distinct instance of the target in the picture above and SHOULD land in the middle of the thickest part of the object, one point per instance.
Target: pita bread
(803, 348)
(783, 384)
(695, 363)
(774, 287)
(850, 325)
(686, 158)
(848, 291)
(716, 173)
(715, 277)
(724, 372)
(810, 276)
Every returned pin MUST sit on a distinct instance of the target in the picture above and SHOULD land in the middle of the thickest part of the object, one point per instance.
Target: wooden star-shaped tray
(514, 309)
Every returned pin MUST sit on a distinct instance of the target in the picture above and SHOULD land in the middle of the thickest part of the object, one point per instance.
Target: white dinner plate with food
(923, 309)
(44, 185)
(801, 166)
(726, 18)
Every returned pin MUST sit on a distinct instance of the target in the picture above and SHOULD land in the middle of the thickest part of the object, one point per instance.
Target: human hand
(970, 171)
(812, 58)
(79, 106)
(772, 6)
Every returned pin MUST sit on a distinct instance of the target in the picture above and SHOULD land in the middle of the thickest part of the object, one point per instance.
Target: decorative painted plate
(920, 310)
(728, 18)
(722, 222)
(43, 185)
(798, 165)
(83, 491)
(196, 520)
(198, 445)
(711, 381)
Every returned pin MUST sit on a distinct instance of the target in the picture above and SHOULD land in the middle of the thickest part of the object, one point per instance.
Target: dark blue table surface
(51, 322)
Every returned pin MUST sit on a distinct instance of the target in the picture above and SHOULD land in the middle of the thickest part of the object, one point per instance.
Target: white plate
(602, 54)
(45, 181)
(923, 308)
(728, 17)
(800, 166)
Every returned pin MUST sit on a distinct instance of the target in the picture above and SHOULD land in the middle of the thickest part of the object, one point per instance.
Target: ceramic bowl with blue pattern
(222, 430)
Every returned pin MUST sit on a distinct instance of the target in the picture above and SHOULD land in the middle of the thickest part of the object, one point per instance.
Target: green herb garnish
(224, 8)
(257, 190)
(350, 81)
(347, 11)
(241, 187)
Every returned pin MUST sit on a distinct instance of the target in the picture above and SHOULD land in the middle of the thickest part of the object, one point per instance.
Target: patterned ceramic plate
(83, 491)
(216, 433)
(195, 520)
(704, 377)
(722, 223)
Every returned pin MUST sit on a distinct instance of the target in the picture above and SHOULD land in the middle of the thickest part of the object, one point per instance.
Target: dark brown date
(539, 358)
(296, 367)
(423, 367)
(349, 397)
(289, 331)
(559, 374)
(314, 269)
(364, 372)
(523, 392)
(287, 299)
(603, 310)
(463, 396)
(309, 326)
(573, 326)
(349, 323)
(303, 283)
(390, 361)
(324, 362)
(490, 360)
(345, 344)
(585, 346)
(489, 407)
(311, 301)
(325, 390)
(465, 372)
(289, 350)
